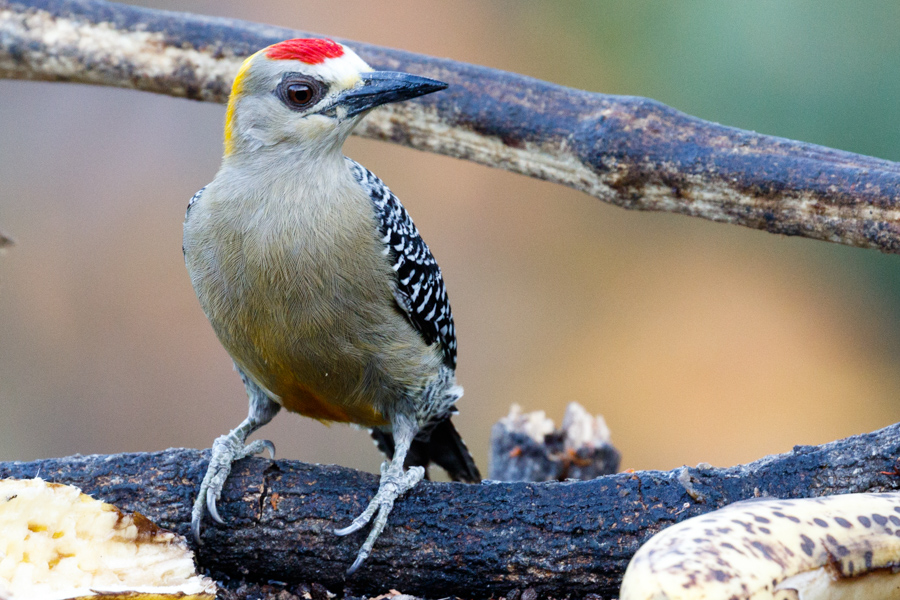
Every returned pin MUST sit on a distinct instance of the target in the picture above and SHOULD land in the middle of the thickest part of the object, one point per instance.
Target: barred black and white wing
(419, 289)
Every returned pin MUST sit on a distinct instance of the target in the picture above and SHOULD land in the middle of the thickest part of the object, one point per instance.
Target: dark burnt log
(476, 541)
(632, 152)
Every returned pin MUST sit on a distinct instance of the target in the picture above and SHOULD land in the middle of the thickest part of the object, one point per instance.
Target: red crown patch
(312, 51)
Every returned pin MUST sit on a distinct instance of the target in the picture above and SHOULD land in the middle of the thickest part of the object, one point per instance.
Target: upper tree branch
(633, 152)
(562, 539)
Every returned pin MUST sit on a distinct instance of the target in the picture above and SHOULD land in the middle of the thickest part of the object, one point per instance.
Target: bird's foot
(394, 483)
(225, 450)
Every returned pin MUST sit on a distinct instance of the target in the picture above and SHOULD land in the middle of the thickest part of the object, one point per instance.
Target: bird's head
(307, 95)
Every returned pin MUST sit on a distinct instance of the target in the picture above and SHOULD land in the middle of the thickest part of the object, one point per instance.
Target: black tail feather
(439, 444)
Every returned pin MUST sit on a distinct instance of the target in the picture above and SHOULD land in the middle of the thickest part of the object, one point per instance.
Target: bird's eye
(299, 94)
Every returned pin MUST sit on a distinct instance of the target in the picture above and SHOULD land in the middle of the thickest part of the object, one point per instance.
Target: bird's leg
(229, 448)
(394, 483)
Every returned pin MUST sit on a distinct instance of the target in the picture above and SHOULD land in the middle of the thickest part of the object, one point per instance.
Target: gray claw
(271, 448)
(351, 528)
(195, 527)
(356, 563)
(256, 447)
(211, 508)
(377, 528)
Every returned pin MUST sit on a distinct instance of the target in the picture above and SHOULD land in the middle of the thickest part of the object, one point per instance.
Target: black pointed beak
(381, 87)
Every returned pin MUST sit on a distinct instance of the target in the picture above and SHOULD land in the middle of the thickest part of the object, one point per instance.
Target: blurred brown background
(697, 341)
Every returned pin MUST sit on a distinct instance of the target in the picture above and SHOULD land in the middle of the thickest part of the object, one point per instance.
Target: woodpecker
(315, 279)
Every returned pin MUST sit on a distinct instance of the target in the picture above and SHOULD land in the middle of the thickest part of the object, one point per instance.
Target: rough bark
(632, 152)
(559, 539)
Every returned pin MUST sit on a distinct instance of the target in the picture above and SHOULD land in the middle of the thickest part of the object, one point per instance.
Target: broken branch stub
(528, 447)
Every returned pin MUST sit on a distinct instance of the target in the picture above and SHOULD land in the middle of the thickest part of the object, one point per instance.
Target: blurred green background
(697, 341)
